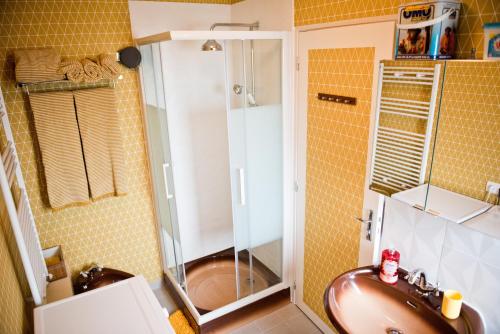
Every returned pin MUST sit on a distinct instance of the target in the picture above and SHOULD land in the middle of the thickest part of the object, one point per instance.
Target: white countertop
(443, 203)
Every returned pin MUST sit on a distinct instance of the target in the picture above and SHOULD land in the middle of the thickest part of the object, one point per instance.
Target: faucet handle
(413, 276)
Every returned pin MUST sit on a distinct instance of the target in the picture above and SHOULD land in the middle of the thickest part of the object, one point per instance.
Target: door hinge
(294, 285)
(295, 186)
(297, 64)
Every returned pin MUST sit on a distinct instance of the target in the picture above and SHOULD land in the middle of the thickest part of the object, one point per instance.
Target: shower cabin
(219, 131)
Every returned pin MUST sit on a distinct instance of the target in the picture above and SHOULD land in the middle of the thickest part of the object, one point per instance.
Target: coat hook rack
(337, 98)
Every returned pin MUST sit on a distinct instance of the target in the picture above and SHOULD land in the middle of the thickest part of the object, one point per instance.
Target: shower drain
(392, 330)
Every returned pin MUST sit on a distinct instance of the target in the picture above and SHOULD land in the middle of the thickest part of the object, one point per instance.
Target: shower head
(211, 45)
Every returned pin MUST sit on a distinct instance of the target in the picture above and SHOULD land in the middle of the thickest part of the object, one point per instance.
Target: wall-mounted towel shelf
(65, 85)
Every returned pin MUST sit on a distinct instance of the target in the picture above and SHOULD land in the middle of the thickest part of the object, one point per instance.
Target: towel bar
(65, 85)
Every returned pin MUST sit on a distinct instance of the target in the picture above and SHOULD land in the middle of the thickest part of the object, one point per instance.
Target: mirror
(465, 173)
(445, 162)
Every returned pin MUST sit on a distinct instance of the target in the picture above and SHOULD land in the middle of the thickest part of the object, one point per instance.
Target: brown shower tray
(211, 280)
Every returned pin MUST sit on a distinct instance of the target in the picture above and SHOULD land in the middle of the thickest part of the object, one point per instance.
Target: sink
(359, 302)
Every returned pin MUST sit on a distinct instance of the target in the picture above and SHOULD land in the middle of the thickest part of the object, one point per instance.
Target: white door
(332, 41)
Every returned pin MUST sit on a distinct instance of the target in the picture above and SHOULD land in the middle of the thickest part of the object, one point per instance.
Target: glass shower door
(160, 159)
(256, 161)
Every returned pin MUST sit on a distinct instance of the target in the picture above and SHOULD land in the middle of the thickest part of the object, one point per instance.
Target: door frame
(368, 250)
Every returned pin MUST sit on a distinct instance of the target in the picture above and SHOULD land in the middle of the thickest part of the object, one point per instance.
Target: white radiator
(20, 215)
(399, 160)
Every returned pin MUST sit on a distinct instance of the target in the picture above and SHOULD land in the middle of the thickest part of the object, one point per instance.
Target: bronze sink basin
(359, 302)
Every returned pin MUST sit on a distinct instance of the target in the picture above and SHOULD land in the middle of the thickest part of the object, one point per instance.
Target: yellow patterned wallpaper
(116, 232)
(13, 310)
(337, 143)
(473, 15)
(219, 2)
(467, 152)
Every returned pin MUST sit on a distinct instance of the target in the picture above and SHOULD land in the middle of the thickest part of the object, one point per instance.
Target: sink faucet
(417, 278)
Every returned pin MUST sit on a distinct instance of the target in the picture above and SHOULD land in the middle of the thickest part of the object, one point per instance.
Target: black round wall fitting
(130, 57)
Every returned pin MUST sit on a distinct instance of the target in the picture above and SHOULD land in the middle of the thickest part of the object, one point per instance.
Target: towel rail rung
(390, 176)
(375, 181)
(394, 179)
(402, 164)
(402, 114)
(402, 141)
(393, 169)
(405, 105)
(409, 138)
(412, 111)
(410, 160)
(424, 103)
(402, 132)
(399, 155)
(389, 182)
(409, 82)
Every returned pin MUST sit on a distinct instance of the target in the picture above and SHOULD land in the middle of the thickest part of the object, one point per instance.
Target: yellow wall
(337, 144)
(13, 310)
(473, 15)
(116, 232)
(220, 2)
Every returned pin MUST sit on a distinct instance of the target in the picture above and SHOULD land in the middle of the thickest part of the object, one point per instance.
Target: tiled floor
(286, 320)
(280, 317)
(165, 298)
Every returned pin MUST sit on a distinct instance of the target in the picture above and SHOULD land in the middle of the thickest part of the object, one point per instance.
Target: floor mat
(180, 323)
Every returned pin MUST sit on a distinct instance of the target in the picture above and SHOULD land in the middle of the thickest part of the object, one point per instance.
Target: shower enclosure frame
(288, 223)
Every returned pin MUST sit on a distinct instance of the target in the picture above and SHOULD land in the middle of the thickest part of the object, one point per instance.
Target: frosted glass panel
(256, 140)
(160, 161)
(256, 160)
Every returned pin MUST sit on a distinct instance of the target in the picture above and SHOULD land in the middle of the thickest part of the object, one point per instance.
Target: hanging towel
(102, 143)
(92, 70)
(110, 67)
(36, 65)
(57, 132)
(73, 69)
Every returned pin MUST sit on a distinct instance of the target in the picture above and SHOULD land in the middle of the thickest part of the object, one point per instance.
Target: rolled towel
(109, 65)
(73, 70)
(92, 70)
(36, 65)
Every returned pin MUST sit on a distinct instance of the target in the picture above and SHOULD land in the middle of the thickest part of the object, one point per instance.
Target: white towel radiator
(20, 215)
(399, 160)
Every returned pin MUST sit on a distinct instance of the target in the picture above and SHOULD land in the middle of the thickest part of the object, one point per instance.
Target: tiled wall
(116, 232)
(337, 137)
(456, 256)
(13, 310)
(473, 15)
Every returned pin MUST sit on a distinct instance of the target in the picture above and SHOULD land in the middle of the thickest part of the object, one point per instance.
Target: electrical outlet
(492, 187)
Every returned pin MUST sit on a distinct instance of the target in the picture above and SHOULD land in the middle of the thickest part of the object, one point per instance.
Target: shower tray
(211, 280)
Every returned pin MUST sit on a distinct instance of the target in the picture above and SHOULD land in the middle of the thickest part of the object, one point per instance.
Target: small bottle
(389, 266)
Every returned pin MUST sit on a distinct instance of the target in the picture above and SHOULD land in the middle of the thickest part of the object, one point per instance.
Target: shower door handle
(241, 172)
(165, 179)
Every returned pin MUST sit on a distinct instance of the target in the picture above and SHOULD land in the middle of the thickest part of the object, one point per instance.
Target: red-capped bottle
(389, 266)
